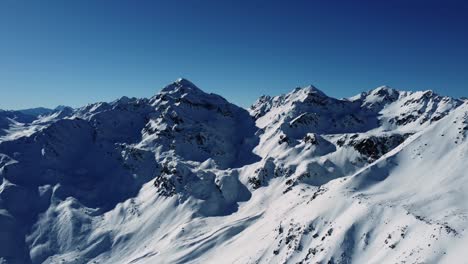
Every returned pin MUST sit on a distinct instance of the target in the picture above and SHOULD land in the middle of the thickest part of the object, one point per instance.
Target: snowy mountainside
(187, 177)
(199, 126)
(19, 123)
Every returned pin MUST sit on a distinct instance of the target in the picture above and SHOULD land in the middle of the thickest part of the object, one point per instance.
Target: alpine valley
(187, 177)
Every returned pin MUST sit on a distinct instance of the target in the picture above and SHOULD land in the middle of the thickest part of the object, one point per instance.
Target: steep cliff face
(187, 177)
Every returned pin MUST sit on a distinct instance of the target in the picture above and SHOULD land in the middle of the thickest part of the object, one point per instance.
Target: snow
(187, 177)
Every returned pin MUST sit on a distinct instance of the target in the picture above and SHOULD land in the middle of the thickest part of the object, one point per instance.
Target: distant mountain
(36, 111)
(15, 120)
(188, 177)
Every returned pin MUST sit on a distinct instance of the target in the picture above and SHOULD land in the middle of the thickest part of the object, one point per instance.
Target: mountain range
(188, 177)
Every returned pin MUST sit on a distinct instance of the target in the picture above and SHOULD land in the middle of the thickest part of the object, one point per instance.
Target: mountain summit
(188, 177)
(181, 84)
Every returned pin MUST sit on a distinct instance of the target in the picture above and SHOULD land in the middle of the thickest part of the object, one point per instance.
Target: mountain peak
(183, 85)
(183, 90)
(309, 89)
(382, 93)
(383, 90)
(184, 82)
(306, 94)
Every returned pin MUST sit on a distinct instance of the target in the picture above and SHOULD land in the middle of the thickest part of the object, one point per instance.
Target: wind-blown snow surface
(187, 177)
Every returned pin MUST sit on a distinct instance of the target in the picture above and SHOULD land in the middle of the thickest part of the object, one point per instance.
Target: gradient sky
(78, 52)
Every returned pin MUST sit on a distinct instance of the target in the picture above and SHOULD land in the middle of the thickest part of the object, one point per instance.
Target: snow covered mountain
(187, 177)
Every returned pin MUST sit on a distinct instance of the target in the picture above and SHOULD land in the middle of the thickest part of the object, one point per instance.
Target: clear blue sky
(77, 52)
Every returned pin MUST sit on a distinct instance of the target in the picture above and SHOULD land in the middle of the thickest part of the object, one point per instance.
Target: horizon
(246, 107)
(77, 53)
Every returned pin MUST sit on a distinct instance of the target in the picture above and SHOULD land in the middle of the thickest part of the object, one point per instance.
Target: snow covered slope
(187, 177)
(19, 123)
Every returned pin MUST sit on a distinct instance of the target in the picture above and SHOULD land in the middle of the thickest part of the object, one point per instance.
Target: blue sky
(77, 52)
